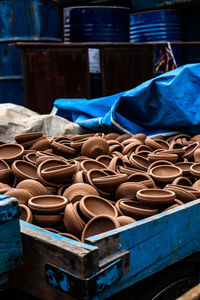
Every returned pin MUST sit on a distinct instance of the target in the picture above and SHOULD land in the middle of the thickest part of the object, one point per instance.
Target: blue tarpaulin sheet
(168, 102)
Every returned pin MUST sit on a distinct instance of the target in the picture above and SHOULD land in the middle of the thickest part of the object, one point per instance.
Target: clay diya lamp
(125, 220)
(196, 155)
(137, 210)
(28, 144)
(104, 159)
(49, 220)
(3, 165)
(63, 150)
(190, 189)
(162, 143)
(182, 181)
(24, 170)
(155, 197)
(158, 163)
(164, 155)
(62, 188)
(32, 186)
(142, 178)
(92, 206)
(4, 188)
(165, 173)
(139, 162)
(171, 207)
(115, 162)
(20, 194)
(195, 170)
(196, 185)
(26, 137)
(128, 190)
(31, 157)
(140, 136)
(77, 191)
(128, 149)
(11, 152)
(59, 174)
(69, 236)
(130, 141)
(152, 144)
(115, 147)
(185, 167)
(79, 177)
(144, 153)
(181, 193)
(90, 164)
(110, 182)
(7, 177)
(79, 214)
(189, 150)
(176, 148)
(128, 170)
(99, 224)
(179, 137)
(123, 137)
(72, 221)
(142, 148)
(26, 214)
(78, 144)
(41, 144)
(94, 147)
(47, 204)
(112, 136)
(117, 205)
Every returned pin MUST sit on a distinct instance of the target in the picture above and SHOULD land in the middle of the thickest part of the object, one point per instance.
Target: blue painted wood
(155, 243)
(10, 237)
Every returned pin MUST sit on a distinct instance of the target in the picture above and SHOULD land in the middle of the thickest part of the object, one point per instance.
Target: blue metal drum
(155, 26)
(23, 21)
(96, 24)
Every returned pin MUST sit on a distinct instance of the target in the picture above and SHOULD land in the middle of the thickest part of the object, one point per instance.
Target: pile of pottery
(82, 185)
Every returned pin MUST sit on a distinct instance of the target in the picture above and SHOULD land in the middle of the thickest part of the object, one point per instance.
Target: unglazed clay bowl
(22, 138)
(32, 186)
(59, 174)
(94, 147)
(79, 177)
(189, 150)
(91, 164)
(72, 221)
(11, 152)
(99, 224)
(181, 193)
(104, 159)
(182, 181)
(7, 177)
(26, 214)
(195, 170)
(20, 194)
(190, 189)
(69, 236)
(158, 163)
(92, 206)
(155, 197)
(24, 170)
(165, 173)
(3, 165)
(128, 190)
(125, 220)
(141, 178)
(196, 155)
(63, 149)
(171, 207)
(110, 182)
(77, 191)
(49, 220)
(47, 204)
(139, 162)
(185, 167)
(136, 209)
(31, 157)
(152, 144)
(115, 162)
(123, 137)
(163, 156)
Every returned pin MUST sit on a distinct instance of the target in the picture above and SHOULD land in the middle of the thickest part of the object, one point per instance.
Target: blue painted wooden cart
(56, 267)
(10, 238)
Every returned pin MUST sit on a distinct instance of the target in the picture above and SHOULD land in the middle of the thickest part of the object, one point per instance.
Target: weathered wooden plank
(193, 294)
(155, 243)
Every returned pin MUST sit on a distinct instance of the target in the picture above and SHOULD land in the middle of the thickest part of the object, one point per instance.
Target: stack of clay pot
(82, 185)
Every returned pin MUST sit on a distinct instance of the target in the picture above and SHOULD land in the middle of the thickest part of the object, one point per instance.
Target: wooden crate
(10, 237)
(55, 267)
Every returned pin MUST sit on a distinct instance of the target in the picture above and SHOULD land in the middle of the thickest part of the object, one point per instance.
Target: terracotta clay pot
(132, 140)
(72, 222)
(99, 224)
(42, 144)
(128, 190)
(47, 204)
(11, 152)
(20, 194)
(110, 182)
(182, 181)
(165, 173)
(125, 220)
(31, 157)
(3, 165)
(163, 156)
(70, 236)
(7, 177)
(24, 170)
(95, 146)
(139, 162)
(181, 194)
(195, 170)
(77, 191)
(48, 220)
(189, 150)
(59, 174)
(196, 155)
(142, 148)
(190, 189)
(140, 136)
(196, 185)
(104, 159)
(137, 210)
(115, 162)
(141, 178)
(155, 197)
(79, 177)
(123, 137)
(112, 136)
(90, 164)
(92, 206)
(128, 149)
(63, 150)
(32, 186)
(22, 138)
(26, 214)
(158, 163)
(185, 167)
(152, 144)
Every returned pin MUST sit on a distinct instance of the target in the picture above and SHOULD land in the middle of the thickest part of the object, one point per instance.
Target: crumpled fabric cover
(16, 119)
(166, 103)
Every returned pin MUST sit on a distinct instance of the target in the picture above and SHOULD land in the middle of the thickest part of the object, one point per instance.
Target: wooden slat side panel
(193, 294)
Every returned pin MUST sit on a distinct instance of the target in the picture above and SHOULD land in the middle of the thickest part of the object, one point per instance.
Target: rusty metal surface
(124, 68)
(50, 74)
